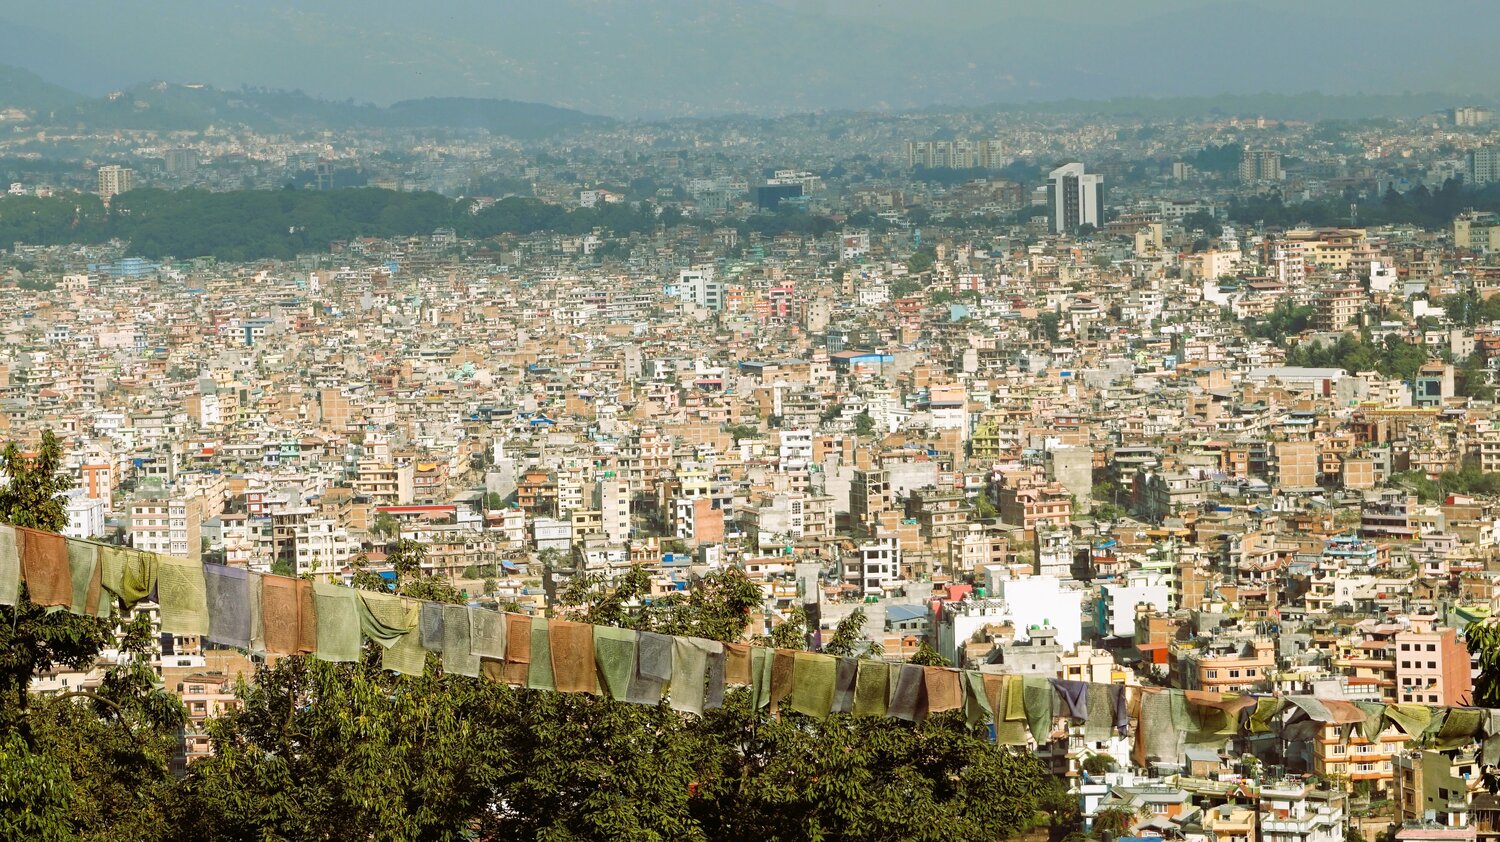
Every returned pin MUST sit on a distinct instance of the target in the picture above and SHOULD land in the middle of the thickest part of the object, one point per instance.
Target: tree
(1111, 823)
(1098, 764)
(848, 638)
(864, 425)
(922, 260)
(927, 656)
(32, 640)
(1047, 325)
(88, 763)
(385, 525)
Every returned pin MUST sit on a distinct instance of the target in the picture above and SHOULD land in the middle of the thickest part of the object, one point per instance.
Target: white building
(874, 566)
(1075, 198)
(796, 450)
(612, 500)
(1041, 601)
(700, 287)
(1116, 606)
(85, 515)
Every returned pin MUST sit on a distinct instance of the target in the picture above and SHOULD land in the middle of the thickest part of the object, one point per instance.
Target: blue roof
(902, 613)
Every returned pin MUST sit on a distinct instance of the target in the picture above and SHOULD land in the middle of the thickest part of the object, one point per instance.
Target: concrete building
(1075, 198)
(1116, 607)
(114, 180)
(1259, 165)
(85, 515)
(168, 526)
(611, 498)
(1432, 664)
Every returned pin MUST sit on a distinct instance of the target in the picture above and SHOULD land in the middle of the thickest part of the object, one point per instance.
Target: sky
(656, 58)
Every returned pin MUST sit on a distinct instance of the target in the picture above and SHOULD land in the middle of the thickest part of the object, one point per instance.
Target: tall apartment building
(954, 154)
(1296, 464)
(1484, 165)
(700, 287)
(114, 180)
(168, 527)
(1075, 198)
(1258, 166)
(611, 498)
(183, 161)
(1432, 664)
(1477, 231)
(1470, 116)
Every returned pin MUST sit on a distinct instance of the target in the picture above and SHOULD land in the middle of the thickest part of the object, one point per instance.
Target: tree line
(247, 225)
(1431, 209)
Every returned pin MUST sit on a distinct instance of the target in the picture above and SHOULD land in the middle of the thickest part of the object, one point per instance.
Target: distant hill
(668, 58)
(29, 92)
(1309, 107)
(518, 119)
(165, 106)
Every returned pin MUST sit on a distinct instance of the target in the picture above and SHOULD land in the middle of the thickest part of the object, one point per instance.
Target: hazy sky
(667, 57)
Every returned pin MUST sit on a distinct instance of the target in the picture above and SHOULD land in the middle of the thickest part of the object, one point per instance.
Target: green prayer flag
(1262, 719)
(337, 611)
(458, 657)
(871, 688)
(83, 565)
(406, 654)
(382, 618)
(977, 710)
(487, 633)
(10, 566)
(614, 653)
(1011, 726)
(813, 678)
(1460, 728)
(689, 673)
(183, 596)
(1411, 719)
(539, 676)
(760, 677)
(1041, 708)
(1374, 722)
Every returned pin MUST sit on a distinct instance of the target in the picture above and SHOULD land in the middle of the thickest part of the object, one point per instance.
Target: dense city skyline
(845, 420)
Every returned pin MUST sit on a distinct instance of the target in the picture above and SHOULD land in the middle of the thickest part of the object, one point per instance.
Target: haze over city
(697, 57)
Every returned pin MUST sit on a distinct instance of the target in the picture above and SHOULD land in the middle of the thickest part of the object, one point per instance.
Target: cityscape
(460, 467)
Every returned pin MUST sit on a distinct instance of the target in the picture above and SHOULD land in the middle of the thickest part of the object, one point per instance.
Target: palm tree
(1112, 823)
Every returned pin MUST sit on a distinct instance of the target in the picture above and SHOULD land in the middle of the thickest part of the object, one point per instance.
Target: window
(1432, 647)
(1211, 674)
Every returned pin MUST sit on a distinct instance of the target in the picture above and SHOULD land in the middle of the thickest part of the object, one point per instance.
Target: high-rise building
(1470, 116)
(1484, 165)
(1075, 198)
(1432, 665)
(954, 154)
(181, 161)
(701, 287)
(1258, 165)
(114, 180)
